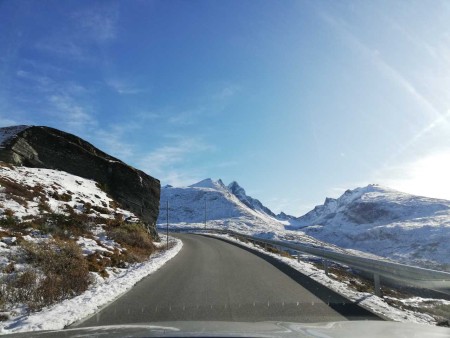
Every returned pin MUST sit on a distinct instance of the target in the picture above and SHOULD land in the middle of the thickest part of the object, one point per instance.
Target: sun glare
(428, 176)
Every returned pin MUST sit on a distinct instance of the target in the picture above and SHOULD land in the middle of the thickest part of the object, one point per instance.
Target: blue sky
(295, 100)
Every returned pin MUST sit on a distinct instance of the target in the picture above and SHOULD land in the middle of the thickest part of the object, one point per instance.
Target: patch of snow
(90, 246)
(9, 240)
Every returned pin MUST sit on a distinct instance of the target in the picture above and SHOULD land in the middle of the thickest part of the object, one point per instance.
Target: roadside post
(167, 227)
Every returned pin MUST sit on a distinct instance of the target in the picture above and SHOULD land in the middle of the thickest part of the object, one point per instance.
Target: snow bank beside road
(60, 315)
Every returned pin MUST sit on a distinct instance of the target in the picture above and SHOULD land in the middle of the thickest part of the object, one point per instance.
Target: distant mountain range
(386, 222)
(372, 219)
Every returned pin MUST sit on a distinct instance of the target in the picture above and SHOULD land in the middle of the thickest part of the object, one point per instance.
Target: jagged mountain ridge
(221, 202)
(251, 202)
(372, 204)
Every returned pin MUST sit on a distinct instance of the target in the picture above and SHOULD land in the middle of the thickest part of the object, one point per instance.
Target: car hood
(347, 329)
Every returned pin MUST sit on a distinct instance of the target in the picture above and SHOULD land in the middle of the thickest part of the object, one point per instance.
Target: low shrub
(98, 263)
(65, 272)
(9, 220)
(100, 209)
(61, 197)
(131, 234)
(87, 208)
(135, 238)
(43, 206)
(113, 204)
(63, 226)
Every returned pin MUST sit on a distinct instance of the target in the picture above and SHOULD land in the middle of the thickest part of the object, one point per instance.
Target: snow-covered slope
(389, 223)
(28, 192)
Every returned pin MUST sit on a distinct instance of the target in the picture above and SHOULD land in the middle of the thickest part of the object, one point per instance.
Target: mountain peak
(209, 183)
(235, 188)
(252, 203)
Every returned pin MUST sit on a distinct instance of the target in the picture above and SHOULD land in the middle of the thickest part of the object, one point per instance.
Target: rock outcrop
(45, 147)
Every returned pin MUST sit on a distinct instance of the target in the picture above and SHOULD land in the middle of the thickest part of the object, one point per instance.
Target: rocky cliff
(45, 147)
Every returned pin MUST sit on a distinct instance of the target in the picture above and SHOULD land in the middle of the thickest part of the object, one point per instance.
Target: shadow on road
(340, 304)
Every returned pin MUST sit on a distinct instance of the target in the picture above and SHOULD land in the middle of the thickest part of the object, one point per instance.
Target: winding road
(214, 280)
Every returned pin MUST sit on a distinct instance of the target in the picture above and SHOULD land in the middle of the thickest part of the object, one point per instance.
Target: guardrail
(393, 272)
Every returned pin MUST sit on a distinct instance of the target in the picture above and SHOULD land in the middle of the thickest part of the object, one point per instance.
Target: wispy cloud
(113, 139)
(123, 87)
(96, 25)
(225, 164)
(227, 92)
(187, 117)
(167, 161)
(45, 84)
(66, 49)
(147, 115)
(209, 105)
(179, 178)
(99, 24)
(70, 113)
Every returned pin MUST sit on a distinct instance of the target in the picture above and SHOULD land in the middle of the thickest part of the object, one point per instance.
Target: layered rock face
(50, 148)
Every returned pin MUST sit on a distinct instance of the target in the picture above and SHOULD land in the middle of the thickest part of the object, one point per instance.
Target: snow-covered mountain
(386, 222)
(373, 220)
(225, 205)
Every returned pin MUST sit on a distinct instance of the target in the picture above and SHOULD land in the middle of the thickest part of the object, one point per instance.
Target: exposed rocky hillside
(44, 147)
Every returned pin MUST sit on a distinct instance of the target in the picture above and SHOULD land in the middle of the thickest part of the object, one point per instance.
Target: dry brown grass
(16, 189)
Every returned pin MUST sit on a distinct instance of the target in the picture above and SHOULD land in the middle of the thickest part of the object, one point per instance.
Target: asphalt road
(213, 280)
